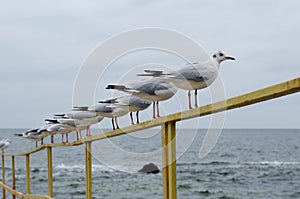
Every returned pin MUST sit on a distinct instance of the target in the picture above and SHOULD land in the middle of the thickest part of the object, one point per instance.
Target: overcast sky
(44, 43)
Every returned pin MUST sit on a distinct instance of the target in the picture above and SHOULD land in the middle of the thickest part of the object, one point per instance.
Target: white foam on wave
(273, 163)
(79, 167)
(98, 167)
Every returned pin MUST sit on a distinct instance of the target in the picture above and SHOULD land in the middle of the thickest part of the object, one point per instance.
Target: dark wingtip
(145, 75)
(110, 86)
(51, 120)
(59, 114)
(117, 87)
(110, 101)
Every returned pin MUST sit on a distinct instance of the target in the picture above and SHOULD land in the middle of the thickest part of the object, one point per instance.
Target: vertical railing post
(3, 176)
(164, 140)
(27, 174)
(169, 160)
(13, 175)
(50, 176)
(88, 169)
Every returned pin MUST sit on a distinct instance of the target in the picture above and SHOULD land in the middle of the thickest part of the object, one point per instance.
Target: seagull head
(221, 56)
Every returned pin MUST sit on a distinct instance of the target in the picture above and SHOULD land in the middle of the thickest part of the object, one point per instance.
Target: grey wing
(80, 115)
(43, 129)
(139, 102)
(32, 131)
(70, 122)
(150, 87)
(105, 108)
(2, 144)
(55, 127)
(191, 73)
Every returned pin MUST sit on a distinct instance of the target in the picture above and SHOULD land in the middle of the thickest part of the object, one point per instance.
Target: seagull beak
(231, 58)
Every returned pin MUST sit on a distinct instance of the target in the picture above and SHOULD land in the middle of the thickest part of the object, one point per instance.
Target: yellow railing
(168, 135)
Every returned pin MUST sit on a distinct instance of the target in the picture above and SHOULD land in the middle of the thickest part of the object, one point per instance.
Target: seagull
(52, 128)
(82, 118)
(33, 135)
(67, 123)
(130, 103)
(153, 90)
(193, 76)
(4, 143)
(107, 109)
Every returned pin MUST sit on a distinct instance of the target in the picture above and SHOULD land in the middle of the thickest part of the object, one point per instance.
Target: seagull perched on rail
(4, 143)
(193, 76)
(153, 90)
(108, 109)
(82, 118)
(33, 135)
(62, 126)
(54, 127)
(131, 104)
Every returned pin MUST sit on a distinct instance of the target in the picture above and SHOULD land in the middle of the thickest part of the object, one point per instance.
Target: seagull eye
(214, 56)
(221, 54)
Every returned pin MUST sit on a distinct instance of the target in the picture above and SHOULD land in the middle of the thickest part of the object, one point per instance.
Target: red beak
(231, 58)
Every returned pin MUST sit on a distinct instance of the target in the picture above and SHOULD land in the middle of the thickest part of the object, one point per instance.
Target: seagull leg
(36, 144)
(62, 138)
(77, 135)
(88, 130)
(132, 122)
(2, 151)
(154, 110)
(67, 137)
(157, 109)
(52, 139)
(80, 134)
(42, 141)
(189, 98)
(137, 117)
(113, 124)
(116, 120)
(196, 98)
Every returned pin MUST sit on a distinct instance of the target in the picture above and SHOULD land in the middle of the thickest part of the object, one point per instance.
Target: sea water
(245, 163)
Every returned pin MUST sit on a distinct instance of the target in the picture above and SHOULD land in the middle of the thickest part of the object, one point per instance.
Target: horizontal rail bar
(268, 93)
(20, 195)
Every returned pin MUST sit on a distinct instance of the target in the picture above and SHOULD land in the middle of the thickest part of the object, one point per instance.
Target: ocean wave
(204, 163)
(81, 167)
(242, 164)
(272, 163)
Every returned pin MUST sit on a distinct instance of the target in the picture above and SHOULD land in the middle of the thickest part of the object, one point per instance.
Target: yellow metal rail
(168, 126)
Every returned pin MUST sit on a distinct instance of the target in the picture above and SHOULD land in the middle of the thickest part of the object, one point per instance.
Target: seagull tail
(19, 134)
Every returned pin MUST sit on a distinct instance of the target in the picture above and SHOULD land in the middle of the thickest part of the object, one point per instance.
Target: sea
(243, 164)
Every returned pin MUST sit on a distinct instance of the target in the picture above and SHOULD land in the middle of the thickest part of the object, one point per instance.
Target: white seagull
(65, 125)
(82, 118)
(4, 143)
(193, 76)
(131, 103)
(107, 109)
(153, 90)
(52, 128)
(33, 135)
